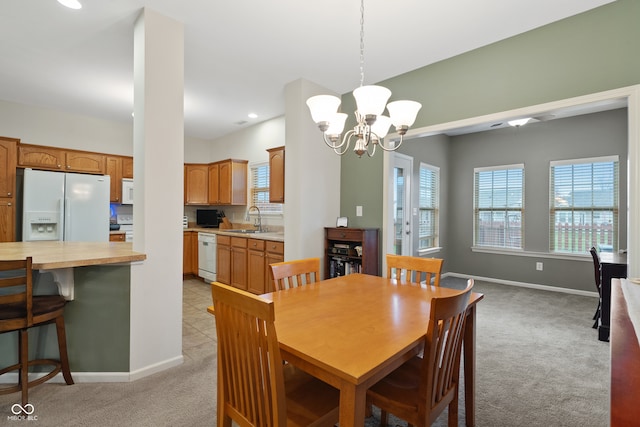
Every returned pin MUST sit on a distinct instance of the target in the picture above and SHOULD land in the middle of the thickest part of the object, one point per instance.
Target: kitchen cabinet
(239, 262)
(274, 252)
(127, 167)
(276, 175)
(223, 259)
(350, 250)
(41, 157)
(227, 184)
(7, 188)
(196, 179)
(114, 170)
(117, 237)
(256, 279)
(189, 253)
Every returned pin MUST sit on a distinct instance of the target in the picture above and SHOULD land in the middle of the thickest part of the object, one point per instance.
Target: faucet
(258, 221)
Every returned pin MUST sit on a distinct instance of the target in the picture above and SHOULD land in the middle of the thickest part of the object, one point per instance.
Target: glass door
(401, 217)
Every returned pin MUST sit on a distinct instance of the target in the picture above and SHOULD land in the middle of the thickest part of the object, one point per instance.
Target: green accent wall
(587, 53)
(97, 322)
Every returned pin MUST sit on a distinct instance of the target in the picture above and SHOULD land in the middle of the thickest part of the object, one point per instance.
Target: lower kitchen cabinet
(244, 262)
(223, 259)
(255, 266)
(239, 262)
(189, 253)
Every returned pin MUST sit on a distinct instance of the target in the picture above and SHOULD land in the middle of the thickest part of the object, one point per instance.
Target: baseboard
(100, 377)
(525, 285)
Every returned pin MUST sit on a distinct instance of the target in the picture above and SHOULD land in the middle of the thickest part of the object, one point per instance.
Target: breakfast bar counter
(52, 255)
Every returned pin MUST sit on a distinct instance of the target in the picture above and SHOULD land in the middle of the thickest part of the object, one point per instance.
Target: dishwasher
(207, 256)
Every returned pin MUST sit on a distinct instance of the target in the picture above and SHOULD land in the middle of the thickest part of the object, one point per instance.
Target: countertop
(52, 255)
(277, 236)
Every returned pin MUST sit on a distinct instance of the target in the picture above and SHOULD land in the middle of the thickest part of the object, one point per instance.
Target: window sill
(521, 252)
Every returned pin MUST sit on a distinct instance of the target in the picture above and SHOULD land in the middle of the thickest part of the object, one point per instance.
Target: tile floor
(198, 326)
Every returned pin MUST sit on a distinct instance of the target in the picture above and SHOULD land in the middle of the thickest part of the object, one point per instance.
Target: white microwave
(127, 191)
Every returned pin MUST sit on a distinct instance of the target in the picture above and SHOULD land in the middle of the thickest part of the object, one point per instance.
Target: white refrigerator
(65, 206)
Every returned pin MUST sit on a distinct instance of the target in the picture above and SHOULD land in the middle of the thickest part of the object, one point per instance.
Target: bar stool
(20, 310)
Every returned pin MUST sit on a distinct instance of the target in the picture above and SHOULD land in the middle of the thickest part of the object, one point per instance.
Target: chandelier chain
(361, 42)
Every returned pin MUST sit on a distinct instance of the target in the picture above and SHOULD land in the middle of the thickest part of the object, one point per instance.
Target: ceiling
(240, 54)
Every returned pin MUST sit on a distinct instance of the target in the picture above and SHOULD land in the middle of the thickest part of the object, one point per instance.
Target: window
(499, 206)
(583, 204)
(260, 190)
(429, 203)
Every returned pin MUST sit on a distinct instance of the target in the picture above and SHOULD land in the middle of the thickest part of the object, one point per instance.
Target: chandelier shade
(371, 100)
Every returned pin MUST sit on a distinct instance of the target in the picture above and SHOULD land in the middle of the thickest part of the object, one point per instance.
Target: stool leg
(62, 348)
(23, 355)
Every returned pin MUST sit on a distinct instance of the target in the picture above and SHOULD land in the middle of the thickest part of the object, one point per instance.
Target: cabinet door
(224, 183)
(276, 175)
(223, 261)
(7, 221)
(7, 169)
(239, 262)
(196, 181)
(114, 170)
(127, 167)
(256, 278)
(274, 252)
(187, 254)
(117, 237)
(41, 157)
(79, 161)
(214, 184)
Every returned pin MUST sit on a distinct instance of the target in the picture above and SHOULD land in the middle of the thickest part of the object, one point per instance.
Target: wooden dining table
(353, 330)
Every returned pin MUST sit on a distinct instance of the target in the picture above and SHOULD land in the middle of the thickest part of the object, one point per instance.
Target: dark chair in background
(598, 281)
(20, 310)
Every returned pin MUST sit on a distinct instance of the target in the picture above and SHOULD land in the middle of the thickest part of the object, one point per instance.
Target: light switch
(358, 210)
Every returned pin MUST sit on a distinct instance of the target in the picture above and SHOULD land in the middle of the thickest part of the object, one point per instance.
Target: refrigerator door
(43, 200)
(87, 208)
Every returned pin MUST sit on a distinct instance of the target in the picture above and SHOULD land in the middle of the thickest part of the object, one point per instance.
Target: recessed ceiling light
(71, 4)
(253, 115)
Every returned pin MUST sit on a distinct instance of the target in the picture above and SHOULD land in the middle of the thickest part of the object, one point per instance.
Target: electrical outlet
(539, 266)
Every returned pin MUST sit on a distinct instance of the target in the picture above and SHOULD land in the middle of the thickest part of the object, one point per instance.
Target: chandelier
(372, 126)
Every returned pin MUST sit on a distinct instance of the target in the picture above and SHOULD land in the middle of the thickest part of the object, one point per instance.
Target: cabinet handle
(59, 166)
(68, 167)
(8, 194)
(9, 204)
(343, 235)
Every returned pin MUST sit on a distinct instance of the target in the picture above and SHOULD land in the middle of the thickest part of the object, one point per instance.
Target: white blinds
(260, 189)
(428, 202)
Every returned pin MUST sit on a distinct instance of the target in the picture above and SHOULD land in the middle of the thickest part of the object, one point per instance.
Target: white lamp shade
(323, 107)
(403, 113)
(336, 124)
(371, 100)
(381, 126)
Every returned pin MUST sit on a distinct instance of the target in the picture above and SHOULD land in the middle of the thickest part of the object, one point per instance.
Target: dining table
(351, 331)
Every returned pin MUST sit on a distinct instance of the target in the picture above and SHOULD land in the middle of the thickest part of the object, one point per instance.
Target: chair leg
(62, 348)
(453, 412)
(23, 355)
(384, 418)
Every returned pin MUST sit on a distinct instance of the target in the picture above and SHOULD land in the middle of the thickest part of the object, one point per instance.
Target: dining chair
(420, 389)
(20, 310)
(291, 274)
(598, 281)
(413, 269)
(254, 387)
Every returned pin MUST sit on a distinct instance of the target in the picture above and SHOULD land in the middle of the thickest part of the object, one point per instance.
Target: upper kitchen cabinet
(114, 170)
(40, 157)
(7, 188)
(276, 175)
(127, 167)
(196, 180)
(228, 182)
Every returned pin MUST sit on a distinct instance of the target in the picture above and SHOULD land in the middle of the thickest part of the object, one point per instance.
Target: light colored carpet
(539, 363)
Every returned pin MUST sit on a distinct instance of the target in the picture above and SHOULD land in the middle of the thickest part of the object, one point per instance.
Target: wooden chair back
(420, 389)
(250, 369)
(440, 369)
(291, 274)
(414, 269)
(16, 282)
(596, 268)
